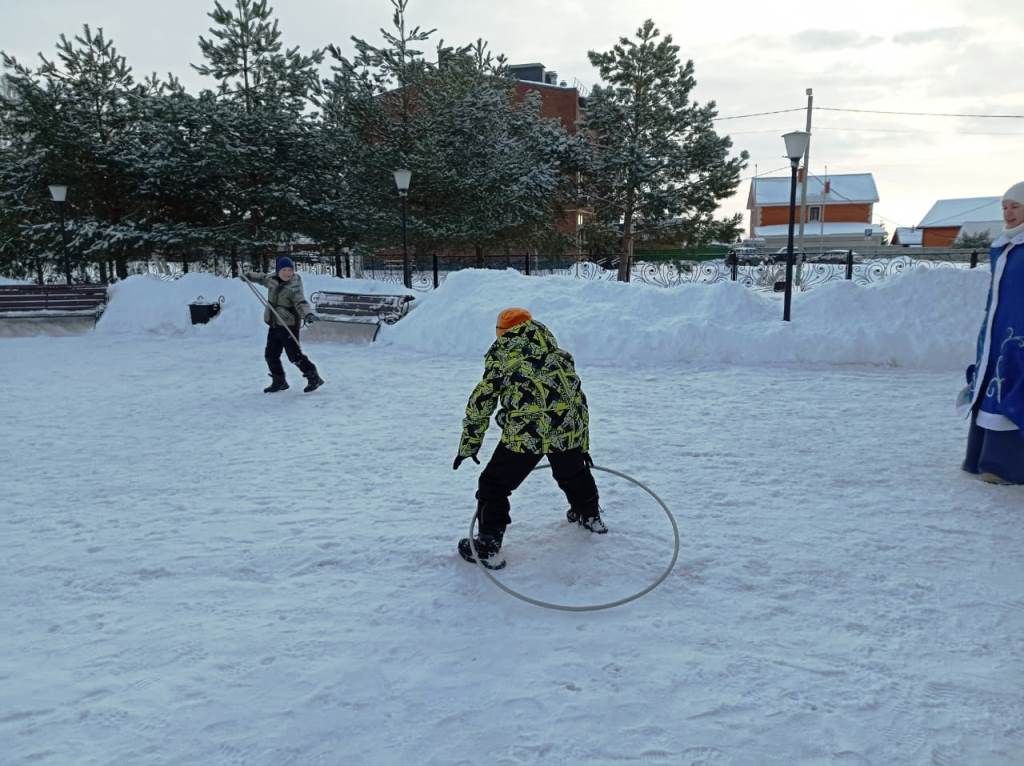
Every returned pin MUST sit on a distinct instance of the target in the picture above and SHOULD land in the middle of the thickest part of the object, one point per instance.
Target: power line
(932, 223)
(960, 213)
(760, 174)
(921, 132)
(920, 114)
(881, 130)
(758, 114)
(875, 111)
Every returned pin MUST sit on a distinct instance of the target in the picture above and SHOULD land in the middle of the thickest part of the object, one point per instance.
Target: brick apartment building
(560, 101)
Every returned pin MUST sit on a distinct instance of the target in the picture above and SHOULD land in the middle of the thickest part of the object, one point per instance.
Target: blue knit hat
(283, 262)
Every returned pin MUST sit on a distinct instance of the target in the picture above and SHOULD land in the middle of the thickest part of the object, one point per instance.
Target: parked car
(779, 256)
(835, 256)
(744, 256)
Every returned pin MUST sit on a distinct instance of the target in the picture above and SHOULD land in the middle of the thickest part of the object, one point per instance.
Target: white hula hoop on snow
(588, 607)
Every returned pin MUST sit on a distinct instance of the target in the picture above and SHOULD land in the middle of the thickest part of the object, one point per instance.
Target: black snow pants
(279, 340)
(506, 470)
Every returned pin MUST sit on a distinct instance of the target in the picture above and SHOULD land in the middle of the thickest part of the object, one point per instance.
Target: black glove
(460, 458)
(587, 460)
(971, 372)
(309, 319)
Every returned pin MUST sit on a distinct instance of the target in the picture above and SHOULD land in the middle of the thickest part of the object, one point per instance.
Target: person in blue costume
(994, 396)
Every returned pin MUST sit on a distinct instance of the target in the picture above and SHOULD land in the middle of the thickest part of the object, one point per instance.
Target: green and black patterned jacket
(543, 408)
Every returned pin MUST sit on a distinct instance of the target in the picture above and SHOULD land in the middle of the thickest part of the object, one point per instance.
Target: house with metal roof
(838, 212)
(906, 236)
(943, 223)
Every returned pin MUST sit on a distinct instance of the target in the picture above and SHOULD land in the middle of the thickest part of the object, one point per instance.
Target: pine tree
(980, 241)
(264, 148)
(181, 192)
(65, 124)
(657, 157)
(487, 171)
(246, 56)
(502, 167)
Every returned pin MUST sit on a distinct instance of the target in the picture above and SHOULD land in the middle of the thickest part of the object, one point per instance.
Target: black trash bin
(202, 311)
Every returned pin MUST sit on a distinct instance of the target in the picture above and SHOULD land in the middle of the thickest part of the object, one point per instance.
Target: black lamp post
(60, 195)
(796, 145)
(402, 179)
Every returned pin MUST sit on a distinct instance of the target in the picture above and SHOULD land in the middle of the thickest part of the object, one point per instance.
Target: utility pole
(803, 187)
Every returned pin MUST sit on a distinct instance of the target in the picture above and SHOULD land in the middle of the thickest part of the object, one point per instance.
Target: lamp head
(796, 144)
(402, 179)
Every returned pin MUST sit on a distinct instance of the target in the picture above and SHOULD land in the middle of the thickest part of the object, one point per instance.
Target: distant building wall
(939, 236)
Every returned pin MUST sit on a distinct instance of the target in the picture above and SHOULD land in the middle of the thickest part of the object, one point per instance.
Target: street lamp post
(402, 179)
(796, 145)
(59, 194)
(347, 252)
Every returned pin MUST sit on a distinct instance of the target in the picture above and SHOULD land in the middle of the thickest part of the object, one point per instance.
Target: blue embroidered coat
(997, 380)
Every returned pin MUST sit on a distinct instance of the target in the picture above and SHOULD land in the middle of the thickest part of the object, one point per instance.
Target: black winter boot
(489, 548)
(278, 383)
(313, 382)
(591, 523)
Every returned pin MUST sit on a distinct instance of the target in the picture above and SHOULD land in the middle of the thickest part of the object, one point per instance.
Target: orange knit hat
(511, 317)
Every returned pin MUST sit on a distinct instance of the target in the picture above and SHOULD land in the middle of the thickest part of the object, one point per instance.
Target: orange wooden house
(948, 217)
(838, 213)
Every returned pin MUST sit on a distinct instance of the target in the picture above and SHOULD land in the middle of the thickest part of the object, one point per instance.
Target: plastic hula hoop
(588, 607)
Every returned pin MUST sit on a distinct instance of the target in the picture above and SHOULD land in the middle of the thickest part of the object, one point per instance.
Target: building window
(814, 213)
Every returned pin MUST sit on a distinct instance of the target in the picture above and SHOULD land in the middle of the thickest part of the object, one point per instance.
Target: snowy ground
(194, 572)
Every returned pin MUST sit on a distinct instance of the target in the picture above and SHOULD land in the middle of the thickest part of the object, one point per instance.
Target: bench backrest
(385, 307)
(52, 297)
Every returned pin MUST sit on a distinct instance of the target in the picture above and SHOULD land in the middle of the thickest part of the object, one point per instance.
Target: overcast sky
(941, 56)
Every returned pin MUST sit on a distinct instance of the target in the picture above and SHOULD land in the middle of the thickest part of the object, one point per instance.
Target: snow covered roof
(957, 212)
(811, 230)
(908, 235)
(974, 228)
(852, 187)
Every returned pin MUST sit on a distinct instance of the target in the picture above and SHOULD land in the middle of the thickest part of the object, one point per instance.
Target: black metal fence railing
(811, 272)
(765, 272)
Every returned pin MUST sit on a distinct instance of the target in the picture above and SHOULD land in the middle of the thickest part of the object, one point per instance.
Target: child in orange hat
(543, 412)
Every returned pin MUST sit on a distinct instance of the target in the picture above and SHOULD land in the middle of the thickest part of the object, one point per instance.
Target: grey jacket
(286, 297)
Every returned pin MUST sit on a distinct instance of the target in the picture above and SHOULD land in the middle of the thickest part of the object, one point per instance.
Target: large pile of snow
(922, 319)
(925, 318)
(151, 305)
(8, 281)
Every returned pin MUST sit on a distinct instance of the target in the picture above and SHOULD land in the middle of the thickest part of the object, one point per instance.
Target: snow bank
(924, 318)
(7, 281)
(150, 305)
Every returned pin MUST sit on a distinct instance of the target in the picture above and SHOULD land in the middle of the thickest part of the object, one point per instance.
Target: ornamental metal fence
(761, 272)
(766, 274)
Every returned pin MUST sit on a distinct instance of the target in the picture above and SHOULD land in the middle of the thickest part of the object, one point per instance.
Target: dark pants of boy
(279, 340)
(506, 470)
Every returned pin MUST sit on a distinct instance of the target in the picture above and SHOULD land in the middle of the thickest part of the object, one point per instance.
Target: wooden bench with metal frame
(52, 301)
(357, 308)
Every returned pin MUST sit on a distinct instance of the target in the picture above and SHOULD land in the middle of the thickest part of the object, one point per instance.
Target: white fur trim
(992, 422)
(1009, 238)
(983, 362)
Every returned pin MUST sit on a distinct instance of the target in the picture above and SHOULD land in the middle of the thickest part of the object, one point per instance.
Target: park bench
(48, 307)
(360, 309)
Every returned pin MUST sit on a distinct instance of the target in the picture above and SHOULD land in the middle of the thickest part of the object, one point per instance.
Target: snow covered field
(195, 572)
